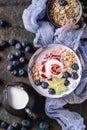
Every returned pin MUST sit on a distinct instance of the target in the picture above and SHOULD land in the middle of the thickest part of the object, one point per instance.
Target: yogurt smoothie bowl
(54, 71)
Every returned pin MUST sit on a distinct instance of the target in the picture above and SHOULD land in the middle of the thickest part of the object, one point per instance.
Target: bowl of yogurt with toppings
(54, 71)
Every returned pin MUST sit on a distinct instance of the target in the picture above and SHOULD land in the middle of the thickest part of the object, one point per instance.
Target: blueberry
(67, 82)
(10, 127)
(10, 67)
(66, 74)
(62, 2)
(44, 85)
(27, 49)
(2, 23)
(51, 91)
(24, 128)
(16, 63)
(12, 42)
(44, 125)
(22, 72)
(74, 75)
(11, 56)
(18, 46)
(14, 72)
(75, 66)
(37, 82)
(23, 45)
(25, 123)
(16, 125)
(22, 60)
(19, 53)
(4, 124)
(3, 44)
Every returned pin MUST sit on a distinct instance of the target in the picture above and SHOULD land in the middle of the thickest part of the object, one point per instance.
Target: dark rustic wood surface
(11, 11)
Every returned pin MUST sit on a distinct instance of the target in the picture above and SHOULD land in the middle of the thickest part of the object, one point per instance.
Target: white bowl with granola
(55, 71)
(62, 12)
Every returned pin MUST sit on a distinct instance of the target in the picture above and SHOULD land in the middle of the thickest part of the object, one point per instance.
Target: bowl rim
(32, 82)
(77, 20)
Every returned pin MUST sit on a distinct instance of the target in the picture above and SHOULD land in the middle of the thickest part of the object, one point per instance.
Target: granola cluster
(68, 59)
(61, 15)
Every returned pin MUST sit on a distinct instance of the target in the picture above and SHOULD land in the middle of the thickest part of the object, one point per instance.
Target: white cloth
(69, 36)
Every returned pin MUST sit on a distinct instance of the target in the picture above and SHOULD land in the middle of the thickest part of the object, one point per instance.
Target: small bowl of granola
(62, 12)
(55, 71)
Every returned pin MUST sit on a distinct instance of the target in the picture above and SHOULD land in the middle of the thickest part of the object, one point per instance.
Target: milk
(17, 98)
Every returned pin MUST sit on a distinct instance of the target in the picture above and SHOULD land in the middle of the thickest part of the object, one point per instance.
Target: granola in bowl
(68, 13)
(54, 71)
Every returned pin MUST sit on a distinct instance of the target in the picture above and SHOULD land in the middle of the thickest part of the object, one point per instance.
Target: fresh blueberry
(4, 124)
(2, 23)
(62, 2)
(19, 53)
(10, 67)
(44, 125)
(67, 82)
(10, 127)
(22, 72)
(16, 125)
(27, 49)
(44, 85)
(23, 45)
(22, 60)
(14, 72)
(24, 128)
(75, 66)
(51, 91)
(16, 63)
(37, 82)
(18, 46)
(12, 42)
(3, 44)
(74, 75)
(66, 74)
(25, 123)
(11, 56)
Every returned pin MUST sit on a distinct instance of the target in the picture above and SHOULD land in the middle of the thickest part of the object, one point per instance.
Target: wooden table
(11, 11)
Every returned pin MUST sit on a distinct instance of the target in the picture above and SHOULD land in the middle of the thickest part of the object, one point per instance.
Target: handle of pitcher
(32, 115)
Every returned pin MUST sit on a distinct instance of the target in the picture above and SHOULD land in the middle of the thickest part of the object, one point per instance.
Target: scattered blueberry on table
(22, 72)
(4, 124)
(25, 123)
(16, 125)
(19, 53)
(18, 46)
(11, 56)
(3, 44)
(10, 67)
(10, 127)
(44, 125)
(15, 63)
(3, 23)
(14, 72)
(18, 59)
(12, 42)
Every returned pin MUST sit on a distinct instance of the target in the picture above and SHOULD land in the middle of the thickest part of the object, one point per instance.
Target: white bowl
(38, 55)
